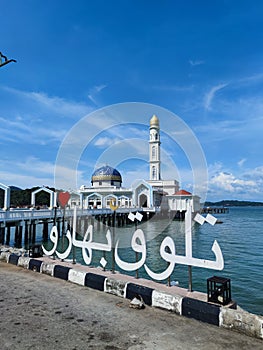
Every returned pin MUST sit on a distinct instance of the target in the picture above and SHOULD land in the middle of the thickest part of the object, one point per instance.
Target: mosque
(154, 194)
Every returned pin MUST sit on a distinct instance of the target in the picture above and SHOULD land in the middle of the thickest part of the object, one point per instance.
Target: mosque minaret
(154, 149)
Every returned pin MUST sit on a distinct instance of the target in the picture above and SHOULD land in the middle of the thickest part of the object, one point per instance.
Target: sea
(239, 235)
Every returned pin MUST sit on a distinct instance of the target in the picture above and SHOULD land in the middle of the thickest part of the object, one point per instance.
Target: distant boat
(219, 222)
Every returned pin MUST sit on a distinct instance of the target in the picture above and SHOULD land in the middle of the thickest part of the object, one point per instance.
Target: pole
(63, 229)
(74, 227)
(190, 281)
(54, 224)
(113, 243)
(55, 216)
(136, 253)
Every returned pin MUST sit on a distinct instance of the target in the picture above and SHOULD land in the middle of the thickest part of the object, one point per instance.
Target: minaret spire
(154, 149)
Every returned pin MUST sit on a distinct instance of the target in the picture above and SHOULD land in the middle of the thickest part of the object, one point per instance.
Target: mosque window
(153, 152)
(153, 172)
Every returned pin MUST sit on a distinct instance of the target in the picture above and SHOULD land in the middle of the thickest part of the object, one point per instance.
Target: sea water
(240, 237)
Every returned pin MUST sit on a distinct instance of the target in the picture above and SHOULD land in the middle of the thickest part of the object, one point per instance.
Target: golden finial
(154, 121)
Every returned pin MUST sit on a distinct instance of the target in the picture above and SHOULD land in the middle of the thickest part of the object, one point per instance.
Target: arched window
(153, 152)
(153, 172)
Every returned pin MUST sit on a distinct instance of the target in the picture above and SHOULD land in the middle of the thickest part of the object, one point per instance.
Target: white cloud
(211, 94)
(252, 79)
(241, 162)
(234, 182)
(226, 184)
(256, 174)
(196, 63)
(27, 173)
(172, 88)
(54, 104)
(129, 177)
(36, 172)
(92, 99)
(36, 118)
(99, 88)
(17, 131)
(24, 181)
(93, 92)
(105, 141)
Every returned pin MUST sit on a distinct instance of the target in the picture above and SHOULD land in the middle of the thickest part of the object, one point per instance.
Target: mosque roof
(105, 173)
(182, 193)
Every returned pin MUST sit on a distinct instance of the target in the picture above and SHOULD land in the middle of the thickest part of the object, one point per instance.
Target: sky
(200, 60)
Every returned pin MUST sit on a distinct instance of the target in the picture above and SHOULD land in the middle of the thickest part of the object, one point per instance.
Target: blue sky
(201, 60)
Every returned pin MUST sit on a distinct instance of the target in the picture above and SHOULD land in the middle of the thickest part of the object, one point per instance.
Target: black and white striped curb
(226, 317)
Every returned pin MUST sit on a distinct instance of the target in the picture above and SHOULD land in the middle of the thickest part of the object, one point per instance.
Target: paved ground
(41, 312)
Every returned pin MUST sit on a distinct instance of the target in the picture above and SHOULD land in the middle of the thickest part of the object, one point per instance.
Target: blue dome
(106, 173)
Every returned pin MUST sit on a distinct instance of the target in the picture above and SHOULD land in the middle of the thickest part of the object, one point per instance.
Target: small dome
(154, 121)
(106, 173)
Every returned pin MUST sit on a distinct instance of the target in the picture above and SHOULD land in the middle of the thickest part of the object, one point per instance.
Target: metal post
(55, 216)
(54, 224)
(63, 230)
(2, 235)
(113, 243)
(8, 233)
(26, 235)
(190, 281)
(136, 253)
(73, 227)
(169, 278)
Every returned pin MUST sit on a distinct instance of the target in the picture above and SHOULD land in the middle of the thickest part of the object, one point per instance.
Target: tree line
(22, 198)
(232, 203)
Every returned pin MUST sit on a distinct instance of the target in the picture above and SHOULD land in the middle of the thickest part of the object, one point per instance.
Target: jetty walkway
(41, 214)
(215, 210)
(24, 221)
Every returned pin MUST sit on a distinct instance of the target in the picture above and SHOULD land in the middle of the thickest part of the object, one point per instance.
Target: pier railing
(35, 214)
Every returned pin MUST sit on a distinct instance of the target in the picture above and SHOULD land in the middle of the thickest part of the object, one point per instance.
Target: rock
(137, 303)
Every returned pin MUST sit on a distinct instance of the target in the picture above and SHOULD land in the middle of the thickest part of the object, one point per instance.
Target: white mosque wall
(179, 203)
(168, 186)
(106, 183)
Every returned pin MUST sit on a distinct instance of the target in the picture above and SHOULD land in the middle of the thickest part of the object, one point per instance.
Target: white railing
(27, 214)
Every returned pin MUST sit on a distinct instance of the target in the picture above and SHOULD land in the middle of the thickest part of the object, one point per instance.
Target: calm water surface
(240, 237)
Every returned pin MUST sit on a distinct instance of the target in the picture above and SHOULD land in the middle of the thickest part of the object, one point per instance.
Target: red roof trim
(182, 193)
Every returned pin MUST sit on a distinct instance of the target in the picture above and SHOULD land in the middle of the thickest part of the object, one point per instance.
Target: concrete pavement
(39, 312)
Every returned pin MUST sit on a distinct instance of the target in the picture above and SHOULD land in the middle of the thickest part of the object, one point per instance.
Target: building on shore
(154, 194)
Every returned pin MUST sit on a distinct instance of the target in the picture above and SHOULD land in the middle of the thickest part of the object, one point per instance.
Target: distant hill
(14, 188)
(233, 203)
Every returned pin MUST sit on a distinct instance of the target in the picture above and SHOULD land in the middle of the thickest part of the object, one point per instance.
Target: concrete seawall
(174, 299)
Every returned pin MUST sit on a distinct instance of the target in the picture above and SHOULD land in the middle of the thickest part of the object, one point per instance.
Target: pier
(215, 210)
(25, 221)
